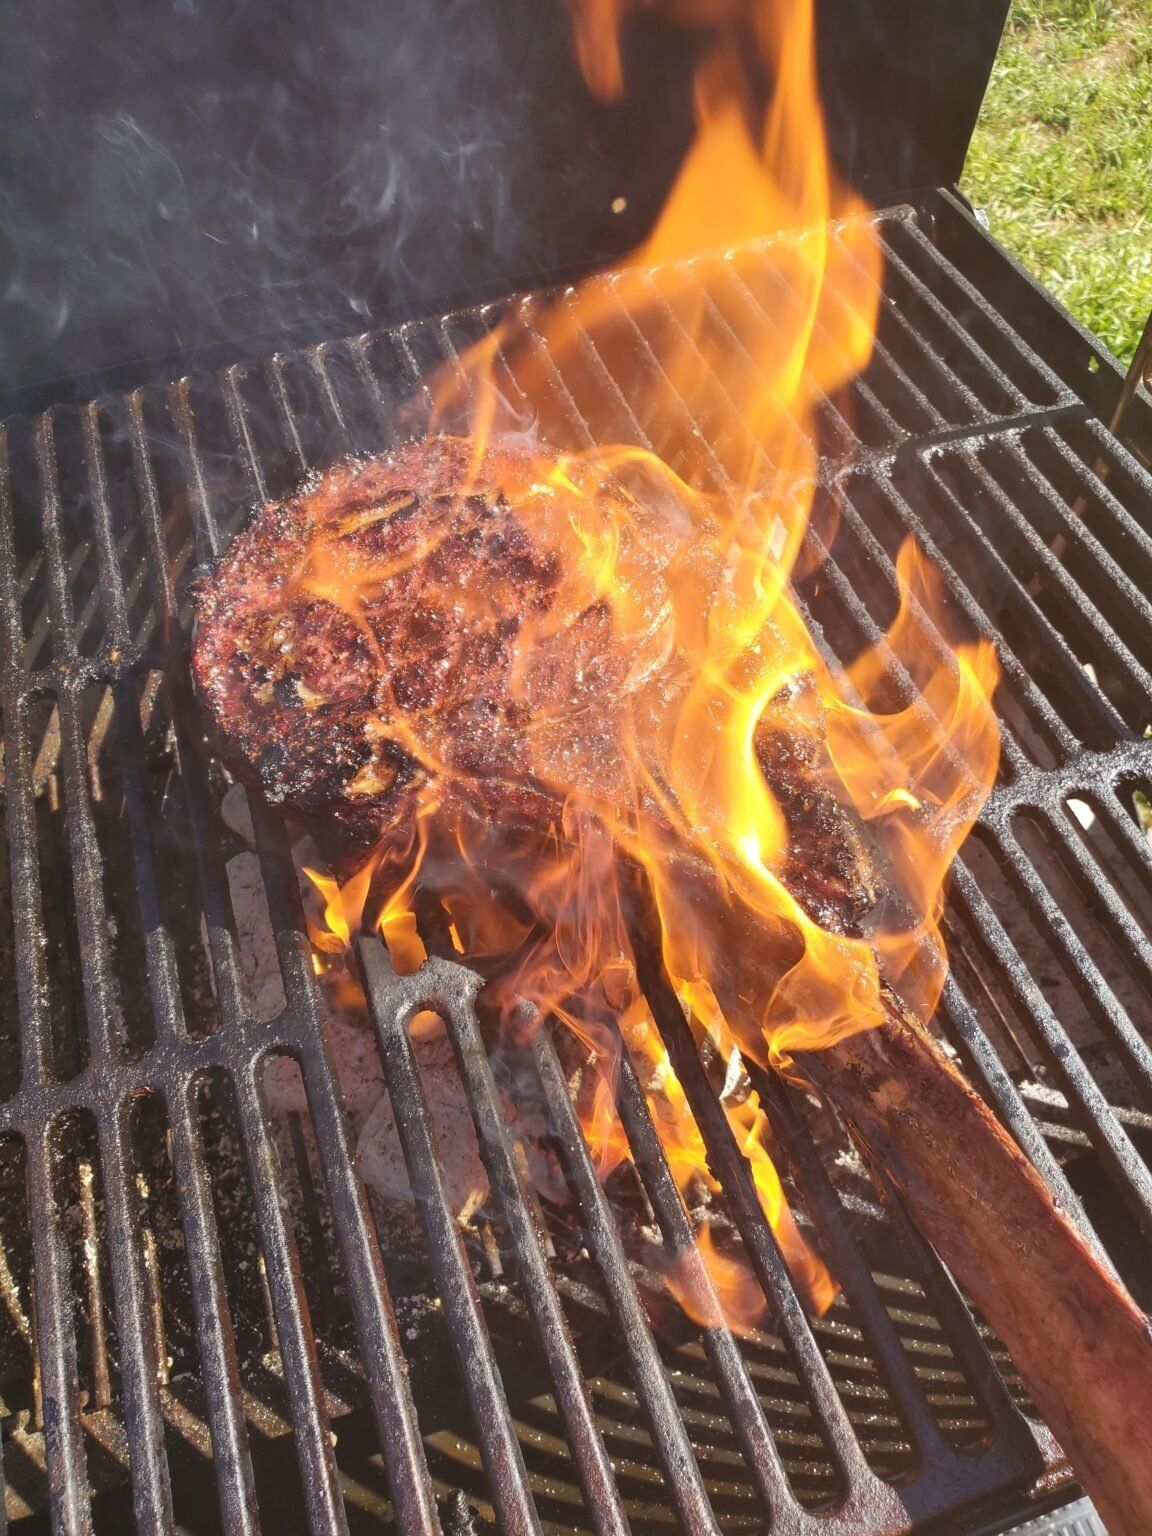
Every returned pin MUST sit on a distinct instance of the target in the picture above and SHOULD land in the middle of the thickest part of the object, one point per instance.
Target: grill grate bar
(562, 394)
(349, 400)
(1052, 389)
(603, 374)
(415, 379)
(1114, 1022)
(1015, 675)
(670, 399)
(379, 1340)
(227, 976)
(148, 502)
(230, 1450)
(907, 390)
(507, 1475)
(382, 419)
(734, 1175)
(979, 1056)
(602, 1499)
(744, 1407)
(391, 1394)
(1043, 633)
(1093, 477)
(329, 402)
(1095, 1114)
(686, 1488)
(936, 376)
(728, 407)
(159, 946)
(1058, 577)
(241, 432)
(1127, 833)
(875, 637)
(163, 977)
(1077, 537)
(885, 360)
(918, 291)
(143, 1422)
(112, 597)
(311, 1427)
(718, 477)
(100, 1002)
(760, 320)
(205, 532)
(274, 372)
(24, 861)
(55, 1335)
(1136, 949)
(847, 1263)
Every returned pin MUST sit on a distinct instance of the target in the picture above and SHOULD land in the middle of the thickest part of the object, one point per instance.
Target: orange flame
(734, 1295)
(344, 904)
(697, 370)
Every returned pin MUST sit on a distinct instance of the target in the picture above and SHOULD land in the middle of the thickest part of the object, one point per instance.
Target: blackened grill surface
(183, 1274)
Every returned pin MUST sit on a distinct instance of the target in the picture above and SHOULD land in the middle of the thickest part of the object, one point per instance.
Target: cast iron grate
(207, 1321)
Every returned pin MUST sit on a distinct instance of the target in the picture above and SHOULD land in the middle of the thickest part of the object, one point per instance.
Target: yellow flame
(336, 933)
(737, 1292)
(754, 298)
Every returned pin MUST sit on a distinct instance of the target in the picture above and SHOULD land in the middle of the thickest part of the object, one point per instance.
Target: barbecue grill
(209, 1322)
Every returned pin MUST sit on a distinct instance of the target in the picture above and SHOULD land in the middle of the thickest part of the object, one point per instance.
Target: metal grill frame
(947, 1481)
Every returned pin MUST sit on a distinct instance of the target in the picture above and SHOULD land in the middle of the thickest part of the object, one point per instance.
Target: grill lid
(185, 176)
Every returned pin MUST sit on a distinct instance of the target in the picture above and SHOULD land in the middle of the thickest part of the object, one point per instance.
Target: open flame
(736, 1297)
(692, 558)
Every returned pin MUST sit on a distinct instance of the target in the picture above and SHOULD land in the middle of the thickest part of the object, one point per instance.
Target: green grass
(1061, 161)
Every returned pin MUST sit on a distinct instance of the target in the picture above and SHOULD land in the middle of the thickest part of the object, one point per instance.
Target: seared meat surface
(431, 619)
(406, 618)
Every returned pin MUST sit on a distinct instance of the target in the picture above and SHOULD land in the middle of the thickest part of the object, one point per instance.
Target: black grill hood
(213, 177)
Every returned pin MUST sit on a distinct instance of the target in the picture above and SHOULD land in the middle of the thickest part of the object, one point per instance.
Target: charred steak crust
(363, 636)
(423, 620)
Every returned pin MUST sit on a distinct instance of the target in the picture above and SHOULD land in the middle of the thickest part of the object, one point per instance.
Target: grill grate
(189, 1271)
